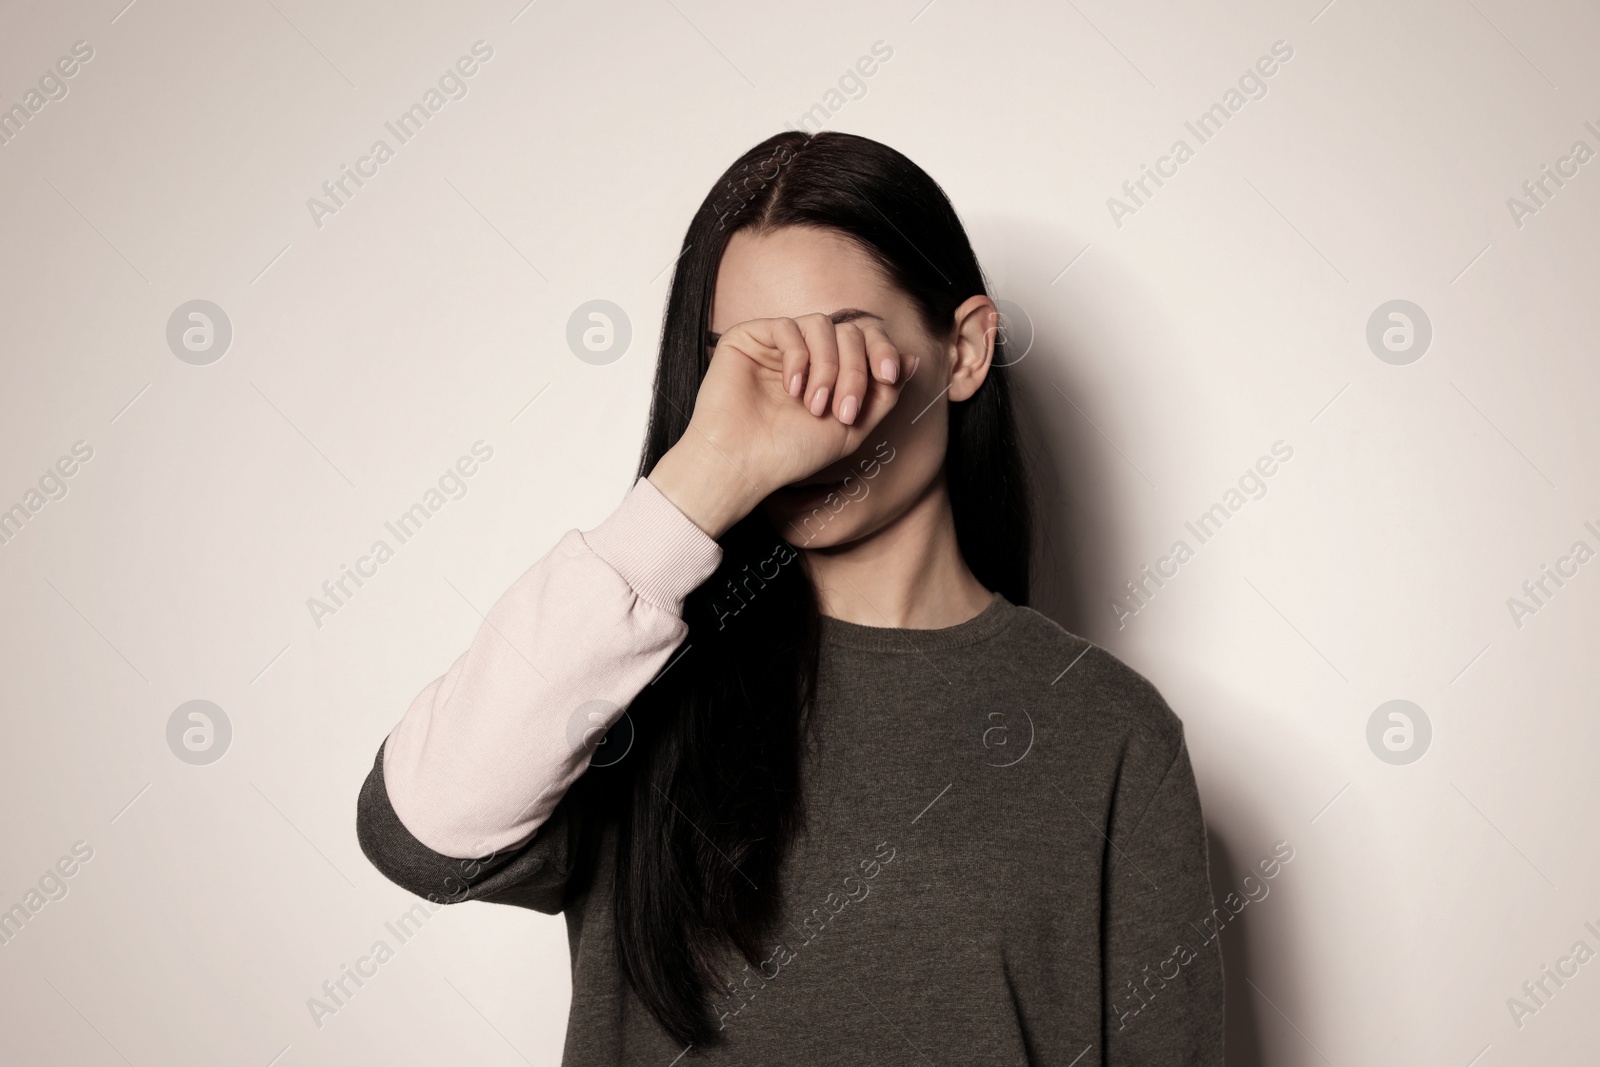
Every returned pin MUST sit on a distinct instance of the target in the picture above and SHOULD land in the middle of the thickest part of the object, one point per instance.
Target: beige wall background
(1175, 341)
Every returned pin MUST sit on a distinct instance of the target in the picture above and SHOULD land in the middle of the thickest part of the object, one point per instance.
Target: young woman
(856, 801)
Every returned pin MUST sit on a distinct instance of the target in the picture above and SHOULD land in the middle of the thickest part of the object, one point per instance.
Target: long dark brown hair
(708, 800)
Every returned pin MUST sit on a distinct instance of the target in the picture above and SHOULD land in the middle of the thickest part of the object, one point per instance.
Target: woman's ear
(976, 323)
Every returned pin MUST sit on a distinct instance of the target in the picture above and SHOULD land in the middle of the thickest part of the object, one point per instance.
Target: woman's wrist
(705, 485)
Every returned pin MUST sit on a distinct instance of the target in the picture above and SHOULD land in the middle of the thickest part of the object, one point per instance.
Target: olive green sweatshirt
(1005, 863)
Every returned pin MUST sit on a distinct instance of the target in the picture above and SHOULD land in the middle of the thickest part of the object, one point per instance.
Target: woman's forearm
(706, 485)
(485, 752)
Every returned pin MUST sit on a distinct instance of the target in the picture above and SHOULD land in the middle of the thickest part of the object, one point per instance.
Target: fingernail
(819, 403)
(847, 410)
(794, 385)
(890, 372)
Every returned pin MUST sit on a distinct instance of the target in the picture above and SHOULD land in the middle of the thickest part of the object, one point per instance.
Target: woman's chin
(820, 518)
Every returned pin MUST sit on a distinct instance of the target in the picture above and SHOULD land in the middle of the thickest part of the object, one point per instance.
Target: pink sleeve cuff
(657, 549)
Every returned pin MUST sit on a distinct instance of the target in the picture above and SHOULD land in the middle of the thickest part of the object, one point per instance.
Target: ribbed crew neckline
(999, 614)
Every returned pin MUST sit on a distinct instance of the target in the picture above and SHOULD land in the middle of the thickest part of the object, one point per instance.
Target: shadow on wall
(1080, 490)
(1082, 487)
(1074, 528)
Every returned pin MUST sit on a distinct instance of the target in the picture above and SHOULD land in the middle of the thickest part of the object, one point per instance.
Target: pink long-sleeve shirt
(484, 753)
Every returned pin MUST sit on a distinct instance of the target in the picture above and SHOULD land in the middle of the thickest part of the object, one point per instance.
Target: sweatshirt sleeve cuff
(657, 549)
